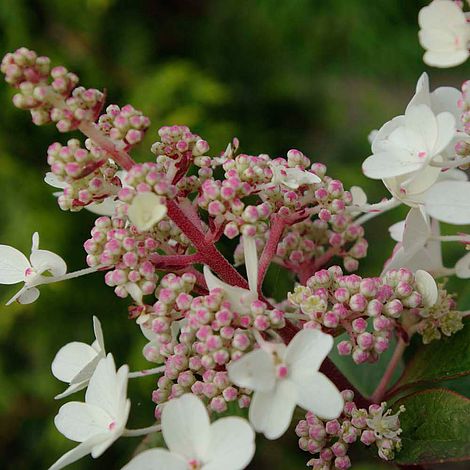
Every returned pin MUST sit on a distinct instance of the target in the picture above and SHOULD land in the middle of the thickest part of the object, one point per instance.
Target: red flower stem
(379, 392)
(278, 225)
(211, 256)
(121, 158)
(175, 261)
(328, 368)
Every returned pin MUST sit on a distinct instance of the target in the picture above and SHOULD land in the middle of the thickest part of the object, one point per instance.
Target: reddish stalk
(210, 254)
(175, 261)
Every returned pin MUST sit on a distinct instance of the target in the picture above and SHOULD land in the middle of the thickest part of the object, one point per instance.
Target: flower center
(112, 425)
(422, 154)
(194, 464)
(282, 371)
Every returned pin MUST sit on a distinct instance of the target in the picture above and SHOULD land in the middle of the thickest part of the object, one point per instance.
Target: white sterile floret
(292, 178)
(194, 443)
(101, 420)
(444, 34)
(283, 377)
(418, 244)
(15, 268)
(146, 210)
(407, 144)
(75, 362)
(239, 298)
(427, 287)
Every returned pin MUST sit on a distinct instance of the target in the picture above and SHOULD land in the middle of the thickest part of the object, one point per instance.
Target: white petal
(446, 98)
(318, 394)
(358, 195)
(427, 287)
(417, 231)
(387, 164)
(13, 265)
(396, 231)
(146, 210)
(148, 333)
(421, 120)
(449, 201)
(135, 292)
(98, 333)
(44, 260)
(440, 13)
(462, 268)
(35, 242)
(105, 389)
(76, 453)
(53, 180)
(307, 350)
(255, 370)
(232, 444)
(156, 459)
(271, 412)
(381, 142)
(251, 262)
(28, 296)
(446, 131)
(106, 207)
(71, 359)
(422, 95)
(79, 421)
(233, 294)
(71, 390)
(186, 427)
(445, 58)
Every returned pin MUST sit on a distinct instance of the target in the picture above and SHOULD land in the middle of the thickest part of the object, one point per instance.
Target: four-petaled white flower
(405, 146)
(239, 298)
(146, 210)
(292, 178)
(196, 444)
(283, 377)
(444, 34)
(15, 268)
(101, 420)
(75, 362)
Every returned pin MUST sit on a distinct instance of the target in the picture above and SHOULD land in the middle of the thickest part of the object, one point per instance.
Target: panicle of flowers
(369, 310)
(329, 440)
(212, 334)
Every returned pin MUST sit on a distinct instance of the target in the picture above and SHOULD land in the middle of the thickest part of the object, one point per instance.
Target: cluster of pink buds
(462, 148)
(126, 125)
(440, 319)
(368, 309)
(330, 440)
(128, 252)
(212, 334)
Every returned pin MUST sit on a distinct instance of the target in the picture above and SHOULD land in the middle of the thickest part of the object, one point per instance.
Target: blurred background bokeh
(316, 76)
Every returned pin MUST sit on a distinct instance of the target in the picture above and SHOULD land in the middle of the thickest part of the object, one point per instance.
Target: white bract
(449, 201)
(15, 268)
(146, 210)
(196, 444)
(292, 178)
(427, 287)
(283, 377)
(239, 298)
(418, 245)
(101, 420)
(405, 146)
(462, 268)
(75, 362)
(444, 34)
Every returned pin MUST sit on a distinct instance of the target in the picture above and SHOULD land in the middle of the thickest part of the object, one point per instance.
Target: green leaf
(444, 359)
(436, 427)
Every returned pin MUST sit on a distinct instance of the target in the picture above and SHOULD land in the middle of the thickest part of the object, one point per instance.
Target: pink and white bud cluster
(213, 335)
(50, 94)
(223, 200)
(128, 252)
(177, 142)
(368, 309)
(330, 440)
(71, 162)
(125, 125)
(440, 319)
(146, 177)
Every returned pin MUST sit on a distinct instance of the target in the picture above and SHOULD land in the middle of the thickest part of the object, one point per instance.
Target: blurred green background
(316, 76)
